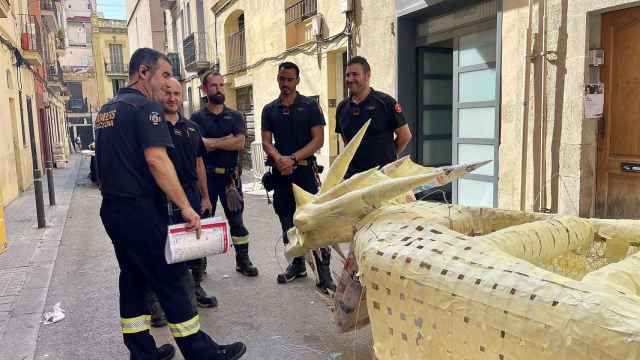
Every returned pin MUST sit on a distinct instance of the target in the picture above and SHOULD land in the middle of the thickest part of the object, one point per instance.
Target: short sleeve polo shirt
(228, 122)
(291, 125)
(377, 147)
(125, 127)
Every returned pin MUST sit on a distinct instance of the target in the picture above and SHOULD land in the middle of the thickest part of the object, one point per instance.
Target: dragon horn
(341, 163)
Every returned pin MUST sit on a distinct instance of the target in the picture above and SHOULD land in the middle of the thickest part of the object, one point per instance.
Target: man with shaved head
(186, 156)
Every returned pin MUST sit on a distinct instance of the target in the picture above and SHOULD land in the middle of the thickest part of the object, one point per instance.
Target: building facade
(508, 81)
(230, 36)
(79, 70)
(145, 25)
(111, 54)
(31, 46)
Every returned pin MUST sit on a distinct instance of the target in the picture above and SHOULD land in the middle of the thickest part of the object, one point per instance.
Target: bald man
(186, 156)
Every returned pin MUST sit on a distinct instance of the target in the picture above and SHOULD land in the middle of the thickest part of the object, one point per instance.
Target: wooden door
(618, 169)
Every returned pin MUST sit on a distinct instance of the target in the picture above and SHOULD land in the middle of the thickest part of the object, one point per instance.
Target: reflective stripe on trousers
(185, 328)
(136, 324)
(240, 240)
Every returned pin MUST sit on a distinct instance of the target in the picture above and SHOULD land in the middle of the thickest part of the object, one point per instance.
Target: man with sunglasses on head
(388, 133)
(296, 124)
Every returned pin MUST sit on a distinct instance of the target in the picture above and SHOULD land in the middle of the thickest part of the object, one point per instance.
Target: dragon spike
(301, 196)
(341, 163)
(357, 181)
(404, 167)
(358, 203)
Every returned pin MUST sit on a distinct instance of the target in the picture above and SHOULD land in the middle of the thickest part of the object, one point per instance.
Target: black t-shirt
(188, 147)
(291, 125)
(228, 122)
(125, 127)
(377, 147)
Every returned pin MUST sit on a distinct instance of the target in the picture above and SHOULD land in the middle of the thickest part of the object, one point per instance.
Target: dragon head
(332, 215)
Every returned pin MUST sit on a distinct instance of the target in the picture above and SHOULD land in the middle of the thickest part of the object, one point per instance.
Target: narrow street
(275, 321)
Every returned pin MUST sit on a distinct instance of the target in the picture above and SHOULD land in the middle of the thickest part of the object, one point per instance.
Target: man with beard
(223, 131)
(296, 124)
(186, 156)
(387, 135)
(136, 177)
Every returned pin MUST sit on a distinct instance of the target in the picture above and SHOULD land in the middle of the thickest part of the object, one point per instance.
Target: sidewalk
(27, 265)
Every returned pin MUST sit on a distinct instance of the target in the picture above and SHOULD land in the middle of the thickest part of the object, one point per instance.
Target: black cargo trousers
(138, 230)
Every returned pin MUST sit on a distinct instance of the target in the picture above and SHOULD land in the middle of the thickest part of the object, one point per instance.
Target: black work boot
(295, 270)
(230, 352)
(325, 282)
(166, 352)
(158, 319)
(203, 299)
(243, 263)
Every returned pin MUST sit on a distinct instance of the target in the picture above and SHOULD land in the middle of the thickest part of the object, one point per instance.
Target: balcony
(5, 8)
(300, 10)
(168, 4)
(236, 52)
(77, 106)
(49, 12)
(116, 69)
(54, 77)
(195, 52)
(30, 39)
(176, 69)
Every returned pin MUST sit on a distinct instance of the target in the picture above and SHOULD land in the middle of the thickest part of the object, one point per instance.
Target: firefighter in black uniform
(134, 171)
(186, 156)
(387, 135)
(224, 131)
(296, 124)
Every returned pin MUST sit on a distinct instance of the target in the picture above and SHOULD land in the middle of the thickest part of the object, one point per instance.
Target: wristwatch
(293, 157)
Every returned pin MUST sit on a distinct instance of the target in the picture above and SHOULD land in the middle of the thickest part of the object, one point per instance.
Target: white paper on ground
(53, 316)
(182, 245)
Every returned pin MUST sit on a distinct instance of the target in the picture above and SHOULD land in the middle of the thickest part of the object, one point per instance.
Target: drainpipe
(37, 173)
(525, 113)
(49, 160)
(543, 102)
(349, 26)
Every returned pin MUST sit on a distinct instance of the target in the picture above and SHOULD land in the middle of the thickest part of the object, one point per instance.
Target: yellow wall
(100, 44)
(16, 173)
(318, 72)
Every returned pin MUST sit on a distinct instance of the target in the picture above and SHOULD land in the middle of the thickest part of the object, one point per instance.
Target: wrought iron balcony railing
(77, 106)
(113, 69)
(236, 51)
(301, 10)
(30, 39)
(176, 68)
(195, 52)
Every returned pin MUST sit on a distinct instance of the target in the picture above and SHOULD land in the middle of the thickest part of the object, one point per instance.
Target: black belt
(220, 170)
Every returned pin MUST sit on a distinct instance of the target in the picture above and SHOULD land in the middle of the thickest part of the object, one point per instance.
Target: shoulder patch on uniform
(154, 118)
(398, 108)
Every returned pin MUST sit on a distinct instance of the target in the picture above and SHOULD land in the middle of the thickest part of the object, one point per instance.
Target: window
(115, 51)
(188, 16)
(9, 82)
